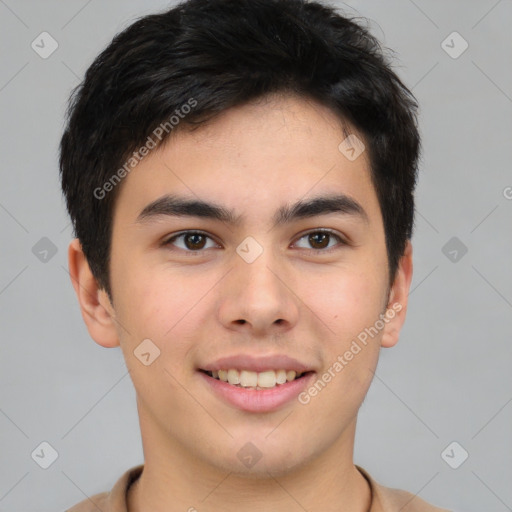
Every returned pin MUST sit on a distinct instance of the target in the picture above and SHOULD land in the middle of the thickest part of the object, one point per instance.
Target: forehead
(250, 158)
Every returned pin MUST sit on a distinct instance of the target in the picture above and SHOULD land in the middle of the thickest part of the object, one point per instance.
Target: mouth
(248, 379)
(256, 383)
(256, 392)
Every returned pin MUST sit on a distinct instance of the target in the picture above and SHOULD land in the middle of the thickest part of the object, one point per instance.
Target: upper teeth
(246, 378)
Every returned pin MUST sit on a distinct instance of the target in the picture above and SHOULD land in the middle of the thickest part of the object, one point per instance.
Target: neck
(175, 480)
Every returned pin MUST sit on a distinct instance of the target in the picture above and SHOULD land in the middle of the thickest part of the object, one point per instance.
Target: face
(257, 283)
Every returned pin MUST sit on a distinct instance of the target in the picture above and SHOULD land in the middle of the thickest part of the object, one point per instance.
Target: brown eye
(321, 239)
(194, 241)
(191, 241)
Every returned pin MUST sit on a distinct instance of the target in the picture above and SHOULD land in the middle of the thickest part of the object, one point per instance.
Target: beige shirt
(384, 499)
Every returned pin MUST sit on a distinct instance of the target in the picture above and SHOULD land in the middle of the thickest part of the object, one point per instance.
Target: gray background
(447, 380)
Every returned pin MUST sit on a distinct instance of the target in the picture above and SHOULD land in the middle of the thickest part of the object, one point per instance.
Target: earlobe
(398, 298)
(97, 311)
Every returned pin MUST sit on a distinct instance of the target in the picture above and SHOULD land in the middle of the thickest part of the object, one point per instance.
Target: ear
(97, 311)
(398, 297)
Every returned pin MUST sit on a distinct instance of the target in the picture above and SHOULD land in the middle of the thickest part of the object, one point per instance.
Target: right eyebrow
(176, 206)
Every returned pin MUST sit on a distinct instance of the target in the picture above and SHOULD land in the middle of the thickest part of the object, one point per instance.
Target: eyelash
(341, 241)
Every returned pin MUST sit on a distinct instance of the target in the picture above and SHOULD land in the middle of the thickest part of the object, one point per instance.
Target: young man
(240, 175)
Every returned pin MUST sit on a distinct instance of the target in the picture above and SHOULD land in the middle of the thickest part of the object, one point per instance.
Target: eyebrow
(177, 206)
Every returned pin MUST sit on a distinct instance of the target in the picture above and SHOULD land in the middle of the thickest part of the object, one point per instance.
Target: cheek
(349, 305)
(347, 301)
(162, 306)
(156, 309)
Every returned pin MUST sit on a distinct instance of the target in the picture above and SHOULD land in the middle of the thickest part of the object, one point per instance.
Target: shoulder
(113, 501)
(92, 504)
(387, 499)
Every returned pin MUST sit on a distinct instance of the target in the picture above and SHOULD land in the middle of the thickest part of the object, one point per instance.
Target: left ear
(398, 297)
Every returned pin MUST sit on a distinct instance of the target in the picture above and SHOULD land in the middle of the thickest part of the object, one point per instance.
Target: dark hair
(221, 54)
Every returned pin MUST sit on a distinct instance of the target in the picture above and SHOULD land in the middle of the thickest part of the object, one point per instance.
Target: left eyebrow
(177, 206)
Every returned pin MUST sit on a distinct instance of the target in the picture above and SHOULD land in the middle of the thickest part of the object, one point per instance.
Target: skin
(253, 159)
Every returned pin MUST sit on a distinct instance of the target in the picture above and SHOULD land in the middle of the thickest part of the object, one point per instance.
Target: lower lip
(258, 400)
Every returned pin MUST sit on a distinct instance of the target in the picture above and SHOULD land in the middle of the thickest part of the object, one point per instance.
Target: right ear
(97, 310)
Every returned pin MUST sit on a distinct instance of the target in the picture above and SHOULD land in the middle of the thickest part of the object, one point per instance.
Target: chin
(261, 459)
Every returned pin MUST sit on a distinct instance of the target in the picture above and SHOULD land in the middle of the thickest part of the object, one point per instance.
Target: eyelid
(342, 241)
(170, 239)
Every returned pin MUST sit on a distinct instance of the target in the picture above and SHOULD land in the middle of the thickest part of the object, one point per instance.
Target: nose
(258, 297)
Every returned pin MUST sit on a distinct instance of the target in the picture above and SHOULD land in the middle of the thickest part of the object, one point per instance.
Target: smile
(255, 380)
(256, 392)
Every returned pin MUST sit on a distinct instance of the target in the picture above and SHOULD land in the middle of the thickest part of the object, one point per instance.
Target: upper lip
(257, 363)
